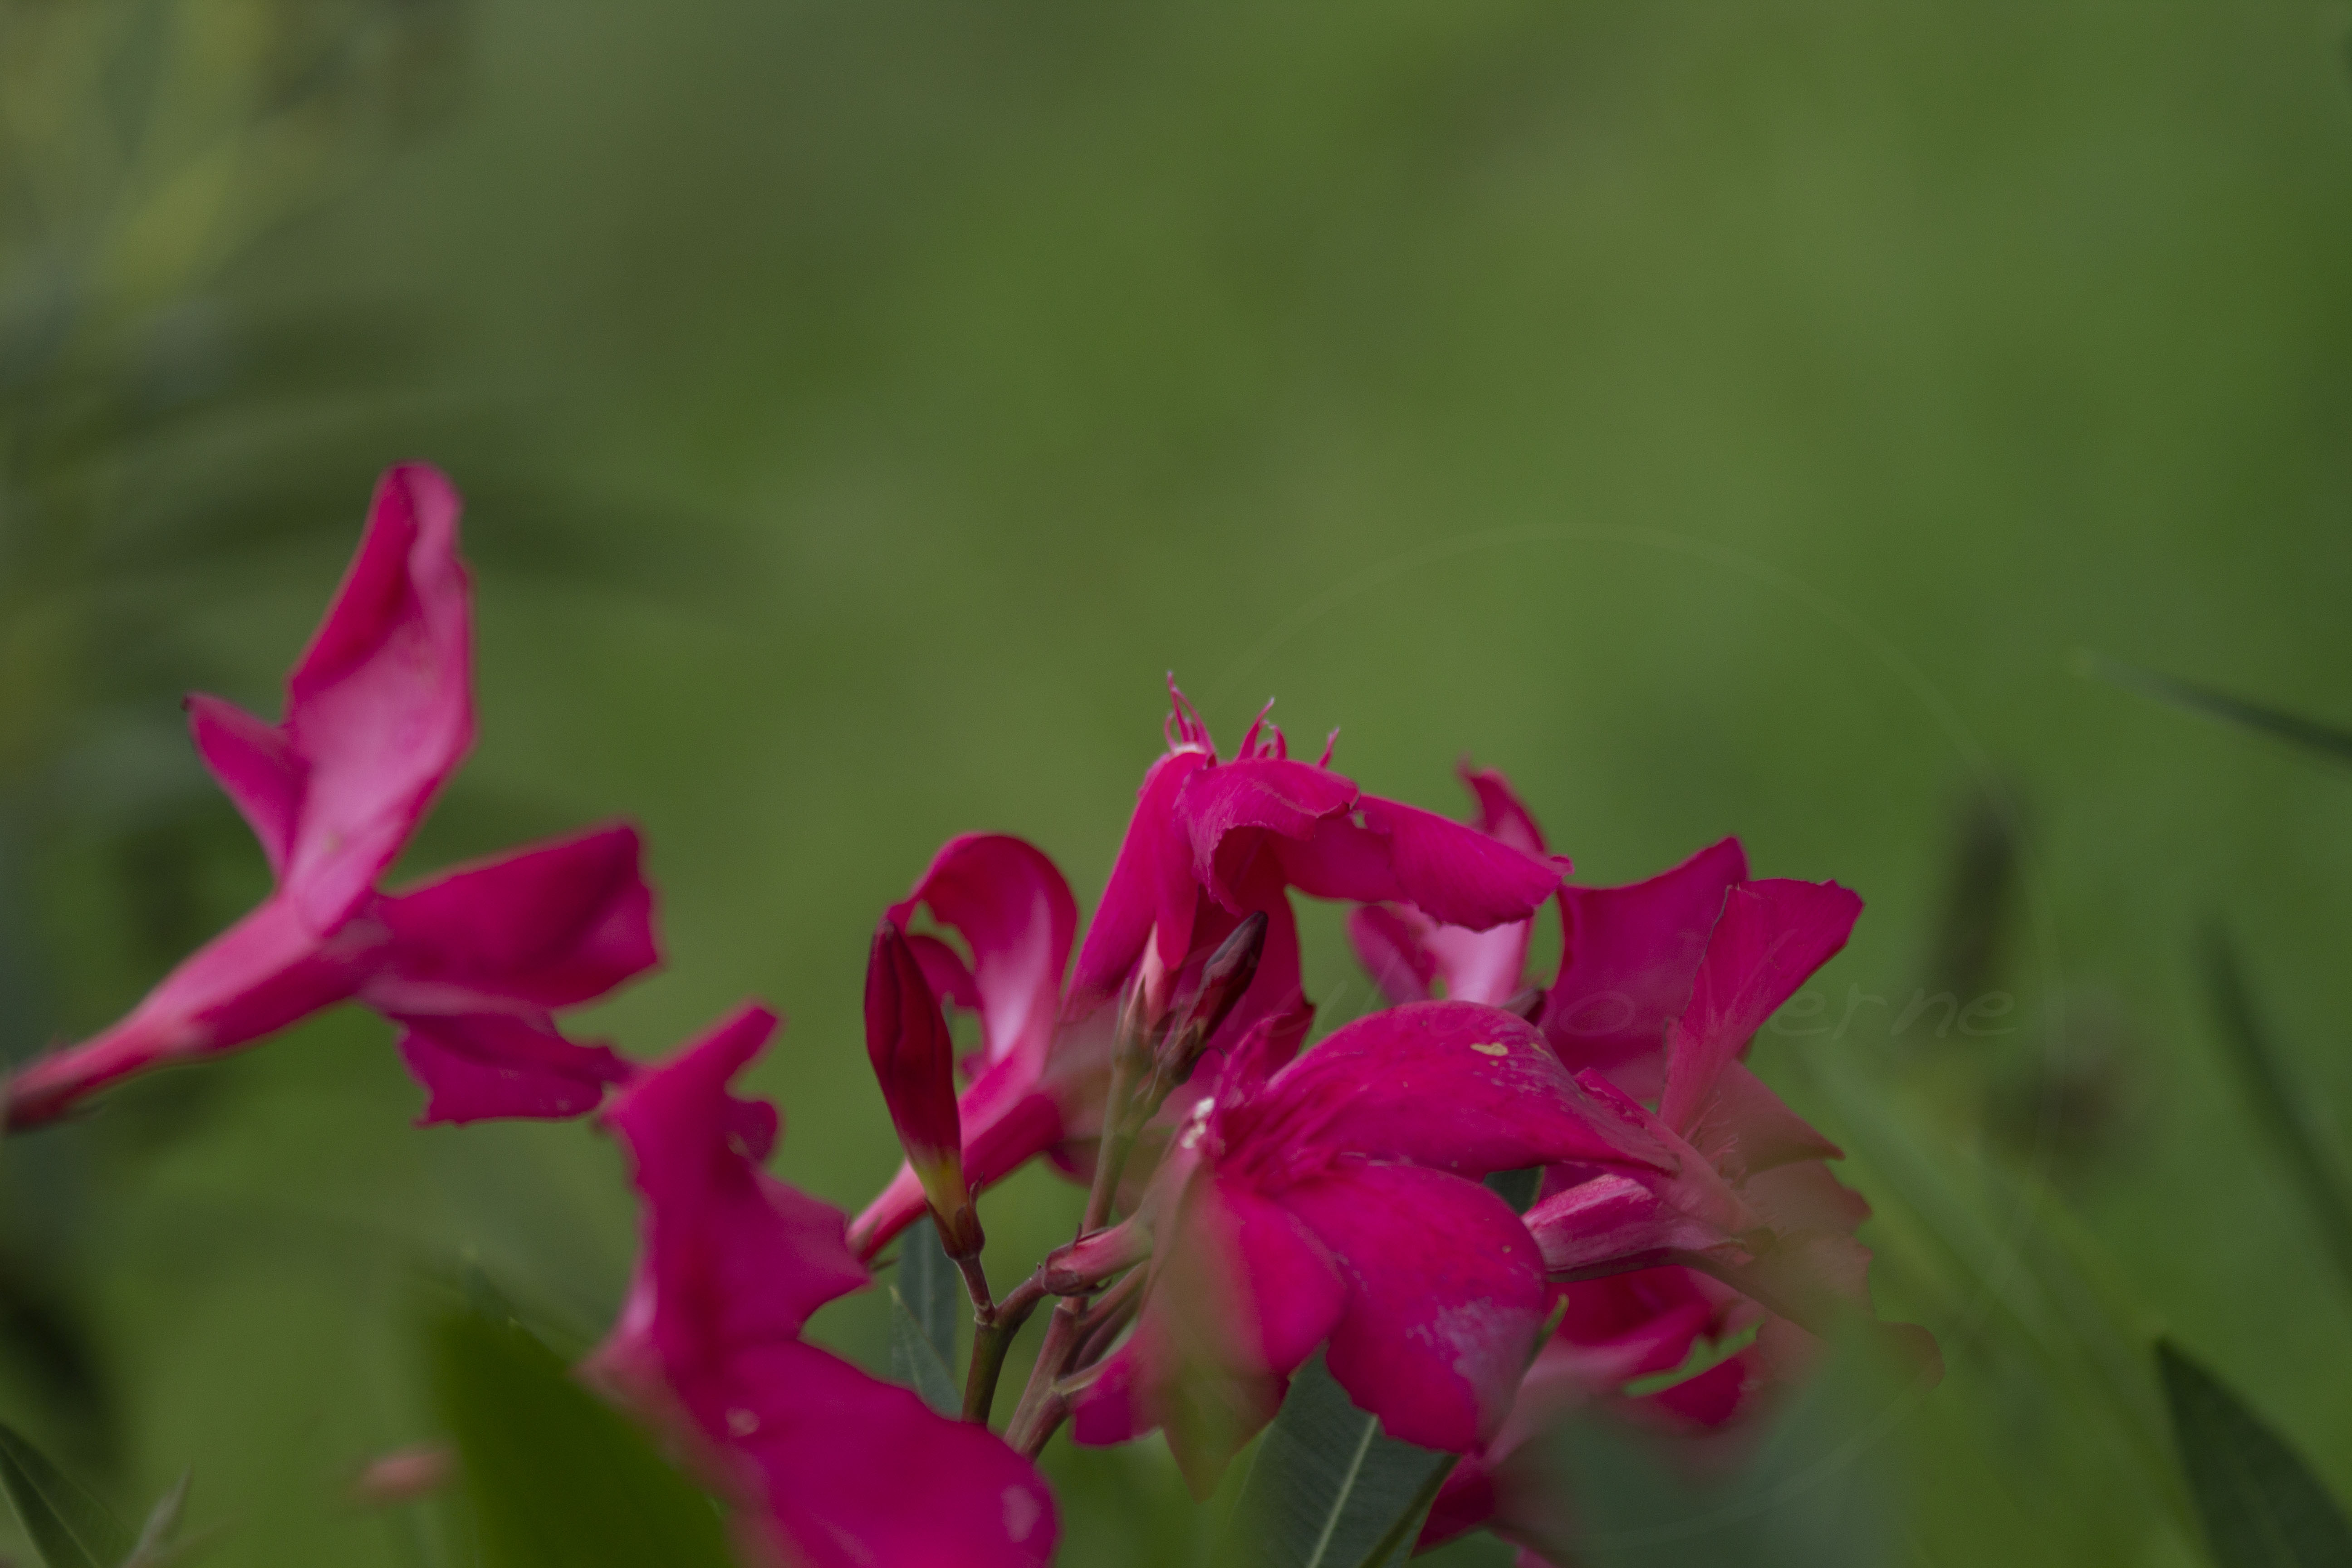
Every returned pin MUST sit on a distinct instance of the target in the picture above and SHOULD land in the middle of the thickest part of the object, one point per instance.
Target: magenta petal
(380, 707)
(553, 925)
(257, 978)
(1151, 885)
(1014, 911)
(256, 766)
(1628, 957)
(1285, 1292)
(1456, 875)
(1501, 814)
(731, 1256)
(475, 1067)
(858, 1473)
(1746, 1129)
(1614, 1223)
(1771, 937)
(1393, 947)
(1272, 794)
(1445, 1298)
(1451, 1085)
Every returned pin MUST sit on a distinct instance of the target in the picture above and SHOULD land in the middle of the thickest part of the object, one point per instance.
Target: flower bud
(1224, 979)
(914, 1061)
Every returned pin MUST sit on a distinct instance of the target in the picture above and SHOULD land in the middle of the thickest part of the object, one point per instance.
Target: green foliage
(926, 1299)
(2261, 1504)
(556, 1478)
(70, 1527)
(1328, 1490)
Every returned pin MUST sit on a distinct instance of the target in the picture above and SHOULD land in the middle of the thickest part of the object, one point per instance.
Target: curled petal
(1445, 1297)
(256, 767)
(380, 709)
(1151, 885)
(1013, 907)
(1628, 957)
(1459, 875)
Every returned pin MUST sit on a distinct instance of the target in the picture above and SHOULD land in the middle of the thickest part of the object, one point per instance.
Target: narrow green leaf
(915, 1362)
(932, 1287)
(69, 1528)
(2309, 735)
(2262, 1506)
(2283, 1111)
(558, 1479)
(1327, 1489)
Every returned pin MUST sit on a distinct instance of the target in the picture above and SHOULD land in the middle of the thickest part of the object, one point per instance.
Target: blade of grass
(2308, 734)
(2262, 1506)
(2286, 1120)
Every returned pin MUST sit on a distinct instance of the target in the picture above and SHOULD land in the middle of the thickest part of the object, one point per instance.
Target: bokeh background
(1722, 419)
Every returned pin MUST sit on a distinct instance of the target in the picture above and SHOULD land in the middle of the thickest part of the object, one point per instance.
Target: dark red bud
(1224, 979)
(913, 1054)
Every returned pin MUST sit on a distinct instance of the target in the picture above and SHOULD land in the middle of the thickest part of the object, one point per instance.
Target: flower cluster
(1249, 1200)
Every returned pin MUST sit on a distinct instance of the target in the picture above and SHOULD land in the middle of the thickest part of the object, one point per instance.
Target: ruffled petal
(551, 926)
(1445, 1298)
(380, 709)
(1011, 906)
(1771, 938)
(1744, 1129)
(1232, 808)
(733, 1264)
(1628, 958)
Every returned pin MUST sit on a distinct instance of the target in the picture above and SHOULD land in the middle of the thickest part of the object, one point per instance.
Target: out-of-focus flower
(831, 1468)
(1337, 1198)
(1211, 843)
(379, 711)
(404, 1475)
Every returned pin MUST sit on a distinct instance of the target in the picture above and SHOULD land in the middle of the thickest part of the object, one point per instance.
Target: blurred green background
(1722, 419)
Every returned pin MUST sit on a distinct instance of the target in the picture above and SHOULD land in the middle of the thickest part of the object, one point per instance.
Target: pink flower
(831, 1468)
(1211, 842)
(1337, 1198)
(470, 966)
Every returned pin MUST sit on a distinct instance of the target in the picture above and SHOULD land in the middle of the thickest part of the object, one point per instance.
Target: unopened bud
(914, 1061)
(1224, 979)
(1086, 1263)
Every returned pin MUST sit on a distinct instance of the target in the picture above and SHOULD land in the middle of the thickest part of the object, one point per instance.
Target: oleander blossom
(1337, 1198)
(470, 967)
(1661, 987)
(1211, 842)
(828, 1466)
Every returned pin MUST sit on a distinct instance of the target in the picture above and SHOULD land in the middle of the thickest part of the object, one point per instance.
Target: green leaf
(69, 1528)
(915, 1362)
(932, 1286)
(558, 1479)
(2262, 1506)
(2309, 735)
(2283, 1110)
(1327, 1489)
(1517, 1188)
